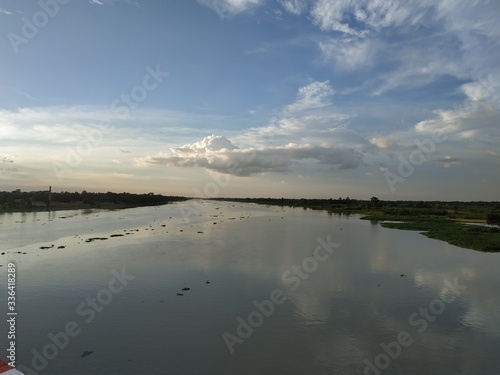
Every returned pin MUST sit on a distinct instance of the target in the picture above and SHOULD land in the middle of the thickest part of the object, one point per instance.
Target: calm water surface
(339, 310)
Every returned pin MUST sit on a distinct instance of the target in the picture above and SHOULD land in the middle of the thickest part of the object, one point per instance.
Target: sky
(397, 99)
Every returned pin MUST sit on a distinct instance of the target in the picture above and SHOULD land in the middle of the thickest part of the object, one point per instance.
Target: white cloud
(364, 16)
(218, 154)
(384, 143)
(476, 119)
(296, 7)
(229, 8)
(207, 144)
(349, 53)
(313, 96)
(6, 12)
(422, 41)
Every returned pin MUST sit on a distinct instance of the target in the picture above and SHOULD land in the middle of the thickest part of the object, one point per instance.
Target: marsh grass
(455, 233)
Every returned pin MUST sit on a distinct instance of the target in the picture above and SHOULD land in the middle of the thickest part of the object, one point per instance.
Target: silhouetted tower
(50, 195)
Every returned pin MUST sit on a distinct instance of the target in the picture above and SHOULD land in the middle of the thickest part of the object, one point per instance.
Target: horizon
(248, 197)
(314, 100)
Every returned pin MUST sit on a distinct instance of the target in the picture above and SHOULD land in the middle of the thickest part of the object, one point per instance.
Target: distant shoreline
(104, 206)
(437, 220)
(48, 200)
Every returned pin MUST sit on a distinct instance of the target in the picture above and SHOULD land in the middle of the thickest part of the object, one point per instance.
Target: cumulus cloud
(207, 144)
(229, 8)
(313, 96)
(218, 154)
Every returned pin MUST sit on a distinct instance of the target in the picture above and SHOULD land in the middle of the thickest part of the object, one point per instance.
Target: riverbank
(43, 201)
(454, 232)
(445, 221)
(101, 206)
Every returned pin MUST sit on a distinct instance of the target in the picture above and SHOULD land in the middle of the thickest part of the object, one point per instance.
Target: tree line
(22, 199)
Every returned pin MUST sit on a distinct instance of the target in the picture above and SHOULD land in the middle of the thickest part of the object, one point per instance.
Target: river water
(271, 291)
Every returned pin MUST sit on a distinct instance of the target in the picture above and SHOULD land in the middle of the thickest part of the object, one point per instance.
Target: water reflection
(362, 296)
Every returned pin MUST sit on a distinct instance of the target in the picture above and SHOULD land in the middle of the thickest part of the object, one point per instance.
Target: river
(203, 287)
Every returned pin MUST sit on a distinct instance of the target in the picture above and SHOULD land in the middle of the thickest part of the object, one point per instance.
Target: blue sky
(292, 98)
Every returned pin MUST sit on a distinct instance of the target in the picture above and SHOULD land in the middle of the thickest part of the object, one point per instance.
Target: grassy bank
(456, 233)
(438, 220)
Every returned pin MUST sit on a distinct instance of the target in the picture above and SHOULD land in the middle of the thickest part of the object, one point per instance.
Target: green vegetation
(462, 235)
(42, 201)
(437, 220)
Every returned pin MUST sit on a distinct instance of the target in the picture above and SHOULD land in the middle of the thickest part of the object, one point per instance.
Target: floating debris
(186, 288)
(96, 239)
(116, 235)
(61, 247)
(86, 353)
(180, 294)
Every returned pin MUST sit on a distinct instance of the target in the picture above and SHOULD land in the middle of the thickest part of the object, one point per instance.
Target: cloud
(476, 119)
(384, 143)
(423, 41)
(96, 2)
(218, 154)
(494, 155)
(313, 96)
(6, 159)
(230, 8)
(447, 161)
(6, 12)
(365, 16)
(296, 7)
(207, 144)
(349, 53)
